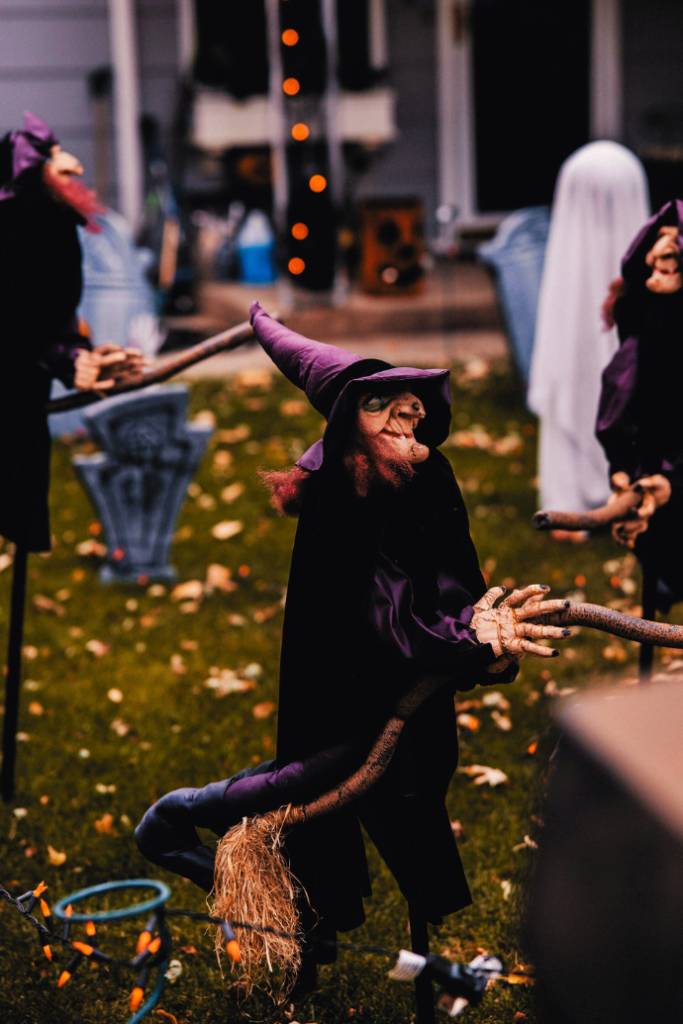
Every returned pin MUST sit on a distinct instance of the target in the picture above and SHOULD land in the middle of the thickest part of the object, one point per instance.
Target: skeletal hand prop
(656, 492)
(505, 627)
(106, 366)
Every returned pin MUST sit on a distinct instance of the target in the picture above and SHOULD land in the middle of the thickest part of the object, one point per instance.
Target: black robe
(40, 288)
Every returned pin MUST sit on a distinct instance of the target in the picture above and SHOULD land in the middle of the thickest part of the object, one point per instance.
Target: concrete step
(458, 297)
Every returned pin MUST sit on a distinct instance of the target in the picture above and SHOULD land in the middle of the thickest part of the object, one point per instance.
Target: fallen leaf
(468, 722)
(502, 721)
(189, 645)
(532, 697)
(30, 652)
(45, 604)
(494, 699)
(227, 528)
(482, 774)
(254, 378)
(232, 493)
(188, 949)
(207, 501)
(178, 665)
(237, 620)
(263, 614)
(5, 561)
(264, 710)
(205, 418)
(23, 737)
(20, 812)
(115, 695)
(467, 705)
(227, 682)
(175, 969)
(105, 823)
(191, 589)
(222, 459)
(97, 648)
(218, 577)
(527, 843)
(532, 748)
(189, 607)
(458, 829)
(35, 708)
(252, 671)
(506, 886)
(102, 787)
(54, 856)
(294, 407)
(91, 547)
(120, 727)
(239, 433)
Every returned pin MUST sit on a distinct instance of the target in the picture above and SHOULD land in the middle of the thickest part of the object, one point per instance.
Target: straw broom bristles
(254, 884)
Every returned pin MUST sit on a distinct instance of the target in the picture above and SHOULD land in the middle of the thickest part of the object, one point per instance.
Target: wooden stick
(226, 341)
(623, 508)
(13, 678)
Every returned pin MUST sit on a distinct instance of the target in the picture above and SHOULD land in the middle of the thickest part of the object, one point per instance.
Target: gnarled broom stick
(253, 881)
(624, 507)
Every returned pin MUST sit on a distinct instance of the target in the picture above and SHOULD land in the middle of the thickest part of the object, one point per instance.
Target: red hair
(69, 190)
(287, 488)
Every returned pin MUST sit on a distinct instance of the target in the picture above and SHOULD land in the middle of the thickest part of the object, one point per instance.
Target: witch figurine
(639, 423)
(387, 614)
(41, 203)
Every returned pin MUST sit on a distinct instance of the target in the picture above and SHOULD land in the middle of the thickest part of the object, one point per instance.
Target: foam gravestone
(137, 483)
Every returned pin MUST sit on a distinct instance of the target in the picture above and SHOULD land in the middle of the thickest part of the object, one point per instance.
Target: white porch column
(606, 111)
(124, 58)
(186, 31)
(377, 24)
(455, 117)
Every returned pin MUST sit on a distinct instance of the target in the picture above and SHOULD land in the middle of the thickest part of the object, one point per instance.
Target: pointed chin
(401, 449)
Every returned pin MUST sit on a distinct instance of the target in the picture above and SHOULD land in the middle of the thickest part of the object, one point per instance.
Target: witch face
(664, 258)
(390, 422)
(61, 167)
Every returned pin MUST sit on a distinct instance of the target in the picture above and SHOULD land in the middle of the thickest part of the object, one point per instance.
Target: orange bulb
(300, 231)
(290, 37)
(291, 86)
(318, 183)
(136, 998)
(300, 132)
(296, 266)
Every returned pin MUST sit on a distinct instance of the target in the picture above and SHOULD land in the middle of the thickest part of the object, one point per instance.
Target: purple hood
(29, 147)
(633, 267)
(332, 378)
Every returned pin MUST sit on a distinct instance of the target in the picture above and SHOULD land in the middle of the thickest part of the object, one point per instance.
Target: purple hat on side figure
(332, 378)
(23, 149)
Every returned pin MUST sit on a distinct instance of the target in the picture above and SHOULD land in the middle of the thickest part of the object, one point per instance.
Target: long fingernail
(567, 603)
(545, 587)
(504, 589)
(566, 632)
(556, 654)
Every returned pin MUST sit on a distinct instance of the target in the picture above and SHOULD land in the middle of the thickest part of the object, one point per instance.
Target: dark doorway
(531, 88)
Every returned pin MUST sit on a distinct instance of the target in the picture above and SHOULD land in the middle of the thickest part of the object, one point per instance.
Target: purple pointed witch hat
(333, 378)
(25, 148)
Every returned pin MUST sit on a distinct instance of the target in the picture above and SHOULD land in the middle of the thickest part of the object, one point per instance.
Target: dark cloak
(639, 423)
(40, 289)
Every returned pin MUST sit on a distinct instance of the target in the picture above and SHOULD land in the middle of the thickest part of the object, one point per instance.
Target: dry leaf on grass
(55, 857)
(264, 710)
(41, 603)
(482, 774)
(227, 682)
(120, 727)
(239, 433)
(218, 577)
(178, 665)
(227, 528)
(494, 699)
(458, 829)
(527, 844)
(468, 722)
(502, 721)
(5, 561)
(97, 648)
(205, 418)
(35, 708)
(232, 492)
(190, 590)
(467, 705)
(115, 695)
(91, 547)
(105, 823)
(294, 407)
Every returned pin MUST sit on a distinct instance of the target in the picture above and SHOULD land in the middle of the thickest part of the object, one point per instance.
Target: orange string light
(296, 266)
(291, 86)
(290, 37)
(318, 183)
(300, 231)
(300, 132)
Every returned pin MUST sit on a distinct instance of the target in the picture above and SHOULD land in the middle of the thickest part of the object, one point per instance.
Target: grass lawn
(89, 766)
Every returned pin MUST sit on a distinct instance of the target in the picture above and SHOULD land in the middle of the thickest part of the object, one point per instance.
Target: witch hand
(107, 365)
(505, 627)
(656, 492)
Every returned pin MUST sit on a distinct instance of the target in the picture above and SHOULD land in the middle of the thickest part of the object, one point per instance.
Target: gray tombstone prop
(517, 254)
(138, 482)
